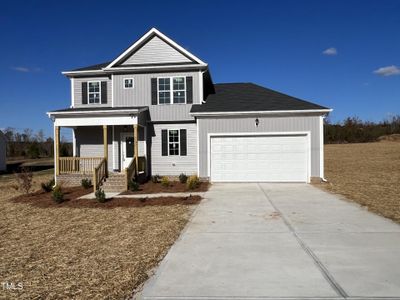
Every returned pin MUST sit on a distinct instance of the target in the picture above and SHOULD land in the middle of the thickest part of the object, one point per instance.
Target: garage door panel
(259, 158)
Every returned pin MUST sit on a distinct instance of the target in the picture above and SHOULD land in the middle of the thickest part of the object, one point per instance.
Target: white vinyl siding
(77, 91)
(156, 51)
(140, 95)
(306, 123)
(89, 142)
(175, 164)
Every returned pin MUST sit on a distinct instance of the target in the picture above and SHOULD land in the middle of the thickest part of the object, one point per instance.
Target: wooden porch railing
(99, 174)
(130, 171)
(78, 165)
(133, 170)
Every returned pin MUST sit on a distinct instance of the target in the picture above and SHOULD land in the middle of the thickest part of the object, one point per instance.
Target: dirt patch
(390, 138)
(62, 252)
(367, 173)
(175, 187)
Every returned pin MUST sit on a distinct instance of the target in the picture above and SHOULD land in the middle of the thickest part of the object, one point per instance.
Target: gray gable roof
(236, 97)
(93, 67)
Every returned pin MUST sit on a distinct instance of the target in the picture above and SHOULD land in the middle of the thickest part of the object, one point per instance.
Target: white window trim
(171, 90)
(133, 83)
(94, 81)
(179, 142)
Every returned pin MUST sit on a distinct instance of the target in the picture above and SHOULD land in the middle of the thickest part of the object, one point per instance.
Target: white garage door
(274, 158)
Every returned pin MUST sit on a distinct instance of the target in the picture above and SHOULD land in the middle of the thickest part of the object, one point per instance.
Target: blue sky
(278, 44)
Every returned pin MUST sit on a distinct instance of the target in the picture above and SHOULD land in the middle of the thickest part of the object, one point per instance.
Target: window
(173, 142)
(94, 92)
(164, 93)
(128, 83)
(179, 89)
(171, 90)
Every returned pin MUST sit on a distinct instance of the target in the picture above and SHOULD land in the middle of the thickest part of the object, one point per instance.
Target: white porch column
(57, 149)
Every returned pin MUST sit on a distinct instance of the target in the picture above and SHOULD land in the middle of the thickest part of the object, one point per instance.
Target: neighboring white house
(3, 147)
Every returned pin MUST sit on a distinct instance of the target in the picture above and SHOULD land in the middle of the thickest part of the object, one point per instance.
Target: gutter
(101, 112)
(106, 71)
(265, 112)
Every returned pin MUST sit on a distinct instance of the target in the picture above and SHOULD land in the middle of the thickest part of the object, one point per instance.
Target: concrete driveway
(280, 241)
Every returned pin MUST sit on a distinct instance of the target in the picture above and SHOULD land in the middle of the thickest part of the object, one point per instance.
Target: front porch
(106, 147)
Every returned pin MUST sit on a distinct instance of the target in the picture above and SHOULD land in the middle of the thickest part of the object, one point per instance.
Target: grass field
(368, 174)
(64, 252)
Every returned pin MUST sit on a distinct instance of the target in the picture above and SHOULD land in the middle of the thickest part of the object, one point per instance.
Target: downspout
(323, 150)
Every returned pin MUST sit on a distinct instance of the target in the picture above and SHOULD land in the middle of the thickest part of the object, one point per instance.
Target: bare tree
(27, 135)
(40, 136)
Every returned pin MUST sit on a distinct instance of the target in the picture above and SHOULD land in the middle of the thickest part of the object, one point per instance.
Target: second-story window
(128, 83)
(94, 92)
(164, 91)
(179, 89)
(171, 90)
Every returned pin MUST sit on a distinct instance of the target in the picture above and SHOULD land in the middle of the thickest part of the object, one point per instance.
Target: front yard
(367, 173)
(83, 249)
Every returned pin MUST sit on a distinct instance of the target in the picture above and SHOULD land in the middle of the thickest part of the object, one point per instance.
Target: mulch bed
(175, 187)
(44, 200)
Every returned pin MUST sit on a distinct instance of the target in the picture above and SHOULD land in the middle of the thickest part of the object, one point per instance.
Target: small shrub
(183, 178)
(48, 186)
(193, 182)
(24, 180)
(86, 183)
(133, 185)
(58, 195)
(155, 178)
(165, 181)
(100, 196)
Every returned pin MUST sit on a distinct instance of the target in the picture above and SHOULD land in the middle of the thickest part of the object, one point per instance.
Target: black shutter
(104, 92)
(183, 142)
(84, 92)
(154, 91)
(164, 142)
(189, 89)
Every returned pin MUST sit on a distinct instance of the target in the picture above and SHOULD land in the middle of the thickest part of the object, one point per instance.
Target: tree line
(30, 144)
(354, 130)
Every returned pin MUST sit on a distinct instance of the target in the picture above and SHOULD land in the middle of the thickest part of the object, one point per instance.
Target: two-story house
(154, 109)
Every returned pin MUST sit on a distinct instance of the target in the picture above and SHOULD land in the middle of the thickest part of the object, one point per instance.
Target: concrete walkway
(280, 241)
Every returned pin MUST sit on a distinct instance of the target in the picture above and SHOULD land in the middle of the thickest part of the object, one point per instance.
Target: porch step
(114, 183)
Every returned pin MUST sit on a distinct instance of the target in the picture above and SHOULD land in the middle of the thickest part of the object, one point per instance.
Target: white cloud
(26, 69)
(21, 69)
(330, 51)
(388, 71)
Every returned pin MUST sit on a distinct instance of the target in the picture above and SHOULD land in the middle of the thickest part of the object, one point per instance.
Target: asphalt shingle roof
(236, 97)
(93, 67)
